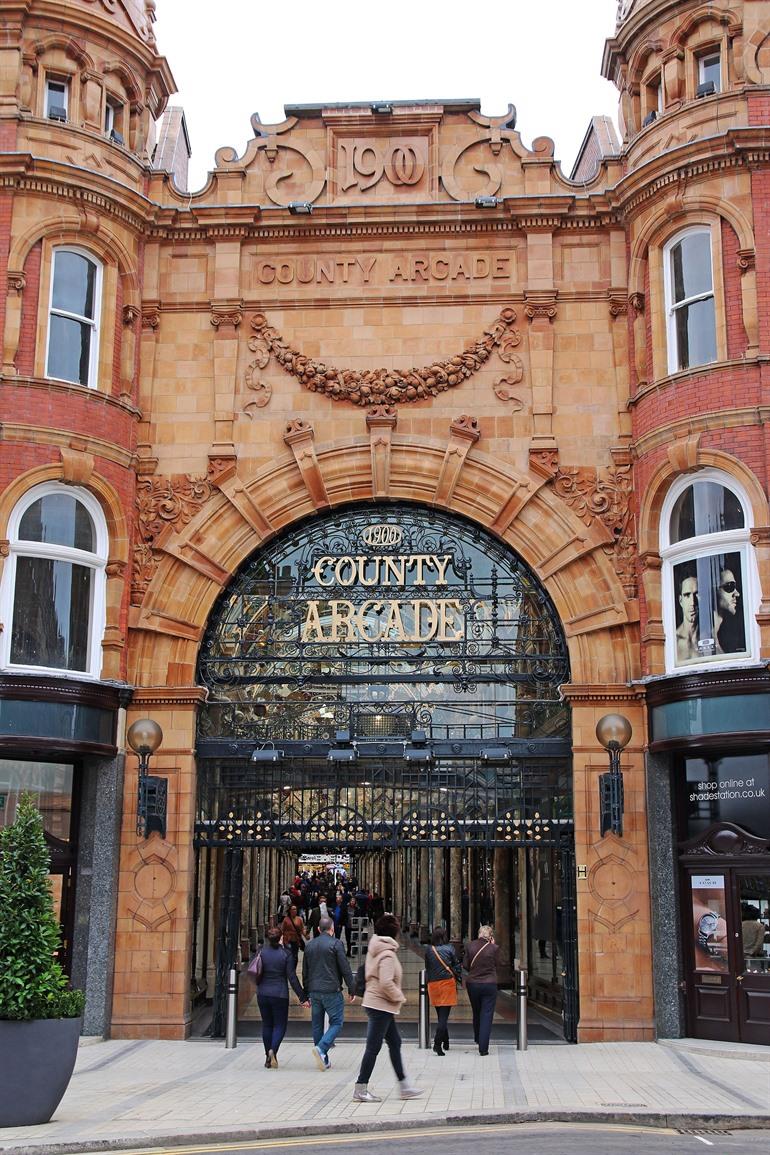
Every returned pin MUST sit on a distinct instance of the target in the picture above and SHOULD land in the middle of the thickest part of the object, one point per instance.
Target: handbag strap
(293, 923)
(478, 952)
(448, 969)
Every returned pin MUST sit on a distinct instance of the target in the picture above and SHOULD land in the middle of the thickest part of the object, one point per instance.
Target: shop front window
(709, 575)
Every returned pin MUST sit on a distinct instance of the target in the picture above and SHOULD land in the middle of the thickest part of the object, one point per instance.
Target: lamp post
(614, 732)
(144, 737)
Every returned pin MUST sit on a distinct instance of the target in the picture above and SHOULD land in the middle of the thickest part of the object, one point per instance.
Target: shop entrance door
(727, 952)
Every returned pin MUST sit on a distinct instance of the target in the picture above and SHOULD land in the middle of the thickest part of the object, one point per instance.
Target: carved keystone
(381, 421)
(464, 432)
(299, 437)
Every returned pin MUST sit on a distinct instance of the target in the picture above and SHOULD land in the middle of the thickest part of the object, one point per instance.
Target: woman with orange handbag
(442, 974)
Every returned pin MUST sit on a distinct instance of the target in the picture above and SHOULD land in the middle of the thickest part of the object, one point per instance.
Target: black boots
(441, 1042)
(437, 1047)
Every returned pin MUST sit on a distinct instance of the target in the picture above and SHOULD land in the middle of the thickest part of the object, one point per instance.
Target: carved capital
(541, 303)
(5, 547)
(17, 282)
(150, 316)
(298, 430)
(618, 302)
(130, 314)
(636, 301)
(747, 259)
(115, 569)
(225, 315)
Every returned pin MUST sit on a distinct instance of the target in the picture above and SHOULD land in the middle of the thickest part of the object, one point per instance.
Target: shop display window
(710, 582)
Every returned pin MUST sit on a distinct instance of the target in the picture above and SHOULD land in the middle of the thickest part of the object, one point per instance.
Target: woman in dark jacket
(480, 962)
(278, 970)
(442, 974)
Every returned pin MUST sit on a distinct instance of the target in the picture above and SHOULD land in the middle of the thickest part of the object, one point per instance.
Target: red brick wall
(736, 334)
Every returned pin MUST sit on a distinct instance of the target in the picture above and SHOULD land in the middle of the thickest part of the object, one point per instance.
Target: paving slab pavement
(144, 1093)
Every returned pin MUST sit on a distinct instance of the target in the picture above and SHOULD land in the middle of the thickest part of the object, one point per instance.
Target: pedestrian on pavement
(383, 1000)
(293, 932)
(317, 913)
(324, 969)
(442, 974)
(480, 963)
(278, 970)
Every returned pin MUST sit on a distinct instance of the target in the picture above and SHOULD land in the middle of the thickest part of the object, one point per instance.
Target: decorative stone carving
(604, 494)
(150, 317)
(262, 389)
(636, 301)
(544, 462)
(747, 259)
(541, 303)
(161, 502)
(16, 282)
(130, 314)
(618, 303)
(224, 318)
(366, 387)
(728, 839)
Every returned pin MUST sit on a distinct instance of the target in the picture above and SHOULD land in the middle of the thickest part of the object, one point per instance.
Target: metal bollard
(521, 1036)
(231, 1036)
(423, 1023)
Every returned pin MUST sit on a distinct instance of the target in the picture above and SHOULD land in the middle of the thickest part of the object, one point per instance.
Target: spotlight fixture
(382, 108)
(261, 754)
(344, 750)
(417, 749)
(486, 202)
(300, 208)
(495, 754)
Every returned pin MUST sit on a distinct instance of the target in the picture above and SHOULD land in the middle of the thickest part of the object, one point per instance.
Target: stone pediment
(395, 153)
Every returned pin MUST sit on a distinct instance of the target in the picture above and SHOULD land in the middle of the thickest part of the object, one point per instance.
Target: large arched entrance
(384, 689)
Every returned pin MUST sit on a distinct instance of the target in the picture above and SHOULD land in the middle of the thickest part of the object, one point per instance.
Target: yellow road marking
(380, 1136)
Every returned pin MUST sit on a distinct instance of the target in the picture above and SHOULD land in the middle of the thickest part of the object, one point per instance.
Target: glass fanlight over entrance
(381, 621)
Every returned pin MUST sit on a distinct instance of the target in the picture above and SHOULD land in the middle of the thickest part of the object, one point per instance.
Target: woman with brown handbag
(480, 962)
(442, 974)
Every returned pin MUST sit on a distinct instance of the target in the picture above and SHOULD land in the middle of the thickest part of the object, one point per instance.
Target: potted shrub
(40, 1017)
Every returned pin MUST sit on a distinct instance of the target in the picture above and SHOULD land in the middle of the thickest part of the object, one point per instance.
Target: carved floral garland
(368, 387)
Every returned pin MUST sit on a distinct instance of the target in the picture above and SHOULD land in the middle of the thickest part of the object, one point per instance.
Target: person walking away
(339, 913)
(293, 932)
(383, 1000)
(324, 969)
(480, 962)
(442, 974)
(316, 914)
(278, 971)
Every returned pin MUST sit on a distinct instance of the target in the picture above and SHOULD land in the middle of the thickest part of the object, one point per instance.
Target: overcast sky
(246, 56)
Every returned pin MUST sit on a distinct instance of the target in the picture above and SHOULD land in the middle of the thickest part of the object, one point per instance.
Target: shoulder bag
(443, 992)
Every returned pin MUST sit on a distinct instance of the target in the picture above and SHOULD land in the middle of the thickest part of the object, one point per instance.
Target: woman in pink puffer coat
(383, 1000)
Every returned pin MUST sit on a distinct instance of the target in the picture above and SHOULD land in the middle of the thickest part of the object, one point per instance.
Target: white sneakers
(406, 1090)
(362, 1094)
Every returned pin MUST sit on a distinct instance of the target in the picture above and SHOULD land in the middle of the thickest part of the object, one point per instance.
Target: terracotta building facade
(377, 473)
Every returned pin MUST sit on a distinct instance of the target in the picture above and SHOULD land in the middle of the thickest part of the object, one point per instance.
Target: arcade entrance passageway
(383, 687)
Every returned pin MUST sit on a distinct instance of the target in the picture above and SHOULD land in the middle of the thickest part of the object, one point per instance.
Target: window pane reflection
(51, 614)
(59, 519)
(50, 784)
(705, 507)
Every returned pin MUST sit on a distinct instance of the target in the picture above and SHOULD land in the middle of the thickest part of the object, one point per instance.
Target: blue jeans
(382, 1028)
(483, 997)
(332, 1005)
(275, 1016)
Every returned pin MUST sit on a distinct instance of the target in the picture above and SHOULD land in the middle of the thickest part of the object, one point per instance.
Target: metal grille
(445, 632)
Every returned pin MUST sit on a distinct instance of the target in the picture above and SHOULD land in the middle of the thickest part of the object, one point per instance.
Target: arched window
(53, 593)
(690, 312)
(710, 578)
(73, 319)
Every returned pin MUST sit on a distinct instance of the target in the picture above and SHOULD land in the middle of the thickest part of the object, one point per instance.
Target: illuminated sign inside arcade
(383, 619)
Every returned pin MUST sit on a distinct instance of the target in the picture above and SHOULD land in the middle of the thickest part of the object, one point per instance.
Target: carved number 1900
(365, 164)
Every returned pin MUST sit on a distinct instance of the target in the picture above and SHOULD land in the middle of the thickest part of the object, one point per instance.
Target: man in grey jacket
(324, 969)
